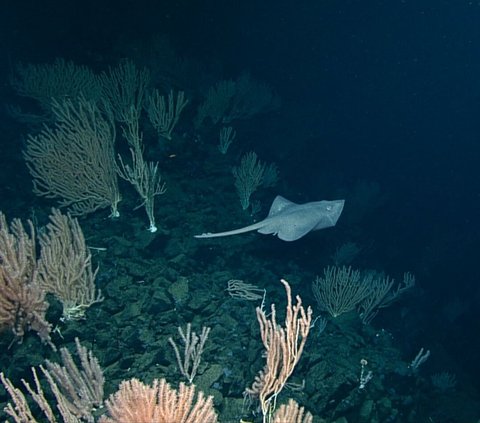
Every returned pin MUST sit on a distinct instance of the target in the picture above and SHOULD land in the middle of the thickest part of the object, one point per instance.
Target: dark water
(380, 106)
